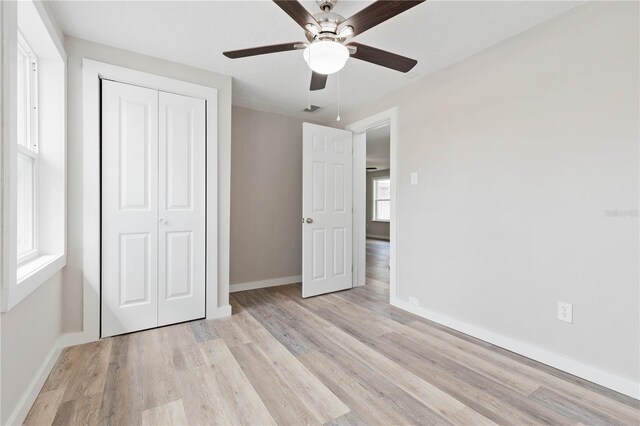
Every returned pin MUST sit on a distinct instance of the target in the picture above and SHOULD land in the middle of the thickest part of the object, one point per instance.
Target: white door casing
(181, 209)
(153, 208)
(129, 208)
(327, 228)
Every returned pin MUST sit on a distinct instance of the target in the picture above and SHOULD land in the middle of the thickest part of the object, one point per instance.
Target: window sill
(30, 276)
(381, 220)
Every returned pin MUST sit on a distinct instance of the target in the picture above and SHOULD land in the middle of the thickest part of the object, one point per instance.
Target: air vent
(372, 168)
(312, 108)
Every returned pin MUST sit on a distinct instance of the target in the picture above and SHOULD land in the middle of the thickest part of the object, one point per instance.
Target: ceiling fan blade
(297, 12)
(262, 50)
(382, 57)
(318, 81)
(377, 13)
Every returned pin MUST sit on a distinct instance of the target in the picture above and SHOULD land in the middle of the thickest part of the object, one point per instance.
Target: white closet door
(129, 208)
(181, 236)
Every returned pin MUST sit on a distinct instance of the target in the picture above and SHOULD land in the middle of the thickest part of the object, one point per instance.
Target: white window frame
(28, 24)
(31, 148)
(375, 198)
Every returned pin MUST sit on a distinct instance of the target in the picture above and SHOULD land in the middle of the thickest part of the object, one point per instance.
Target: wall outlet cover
(565, 312)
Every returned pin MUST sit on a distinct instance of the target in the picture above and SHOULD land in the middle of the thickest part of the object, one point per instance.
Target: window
(27, 151)
(382, 199)
(34, 160)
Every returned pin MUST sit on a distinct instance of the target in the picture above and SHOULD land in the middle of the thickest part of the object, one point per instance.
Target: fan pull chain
(338, 117)
(309, 92)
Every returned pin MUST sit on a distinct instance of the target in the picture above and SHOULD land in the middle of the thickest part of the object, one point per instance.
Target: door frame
(388, 117)
(92, 73)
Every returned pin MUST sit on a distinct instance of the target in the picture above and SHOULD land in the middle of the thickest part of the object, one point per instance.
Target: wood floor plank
(170, 413)
(203, 330)
(243, 402)
(121, 400)
(276, 323)
(579, 412)
(232, 334)
(313, 393)
(154, 354)
(283, 404)
(372, 406)
(45, 407)
(89, 375)
(82, 411)
(431, 396)
(63, 369)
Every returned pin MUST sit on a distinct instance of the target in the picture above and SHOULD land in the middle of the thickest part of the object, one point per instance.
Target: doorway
(378, 204)
(382, 155)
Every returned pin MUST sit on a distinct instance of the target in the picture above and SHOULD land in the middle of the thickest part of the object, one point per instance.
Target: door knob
(309, 220)
(162, 221)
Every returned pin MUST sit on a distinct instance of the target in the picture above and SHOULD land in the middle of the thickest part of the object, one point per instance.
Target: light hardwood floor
(344, 358)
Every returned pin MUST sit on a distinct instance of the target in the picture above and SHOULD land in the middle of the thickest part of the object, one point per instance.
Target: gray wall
(266, 196)
(521, 150)
(375, 229)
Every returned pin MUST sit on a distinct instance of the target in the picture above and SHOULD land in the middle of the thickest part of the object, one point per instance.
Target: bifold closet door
(153, 208)
(129, 208)
(181, 237)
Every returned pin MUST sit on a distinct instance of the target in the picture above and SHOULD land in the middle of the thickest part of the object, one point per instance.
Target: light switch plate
(414, 178)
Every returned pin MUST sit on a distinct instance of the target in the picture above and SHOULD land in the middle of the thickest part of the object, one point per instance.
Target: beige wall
(266, 196)
(374, 228)
(77, 50)
(521, 150)
(30, 333)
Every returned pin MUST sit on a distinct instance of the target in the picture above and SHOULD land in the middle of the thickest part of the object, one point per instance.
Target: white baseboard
(30, 395)
(378, 237)
(587, 372)
(252, 285)
(221, 312)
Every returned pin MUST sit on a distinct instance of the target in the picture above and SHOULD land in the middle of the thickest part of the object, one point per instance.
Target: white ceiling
(379, 148)
(436, 33)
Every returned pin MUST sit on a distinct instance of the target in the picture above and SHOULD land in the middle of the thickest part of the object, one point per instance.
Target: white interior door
(181, 237)
(153, 208)
(327, 227)
(129, 208)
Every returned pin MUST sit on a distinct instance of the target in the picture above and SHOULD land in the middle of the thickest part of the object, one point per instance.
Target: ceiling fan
(327, 50)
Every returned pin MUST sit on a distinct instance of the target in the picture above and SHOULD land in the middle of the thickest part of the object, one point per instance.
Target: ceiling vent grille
(312, 108)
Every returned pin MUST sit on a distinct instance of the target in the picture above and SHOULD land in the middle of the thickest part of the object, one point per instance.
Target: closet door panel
(129, 208)
(181, 236)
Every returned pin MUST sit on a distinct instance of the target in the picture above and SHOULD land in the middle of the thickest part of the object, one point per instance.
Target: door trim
(359, 128)
(92, 72)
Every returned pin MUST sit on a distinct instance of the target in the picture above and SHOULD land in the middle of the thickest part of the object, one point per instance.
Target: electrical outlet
(565, 312)
(413, 300)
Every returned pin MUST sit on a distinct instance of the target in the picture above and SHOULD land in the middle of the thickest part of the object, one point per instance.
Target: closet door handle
(162, 220)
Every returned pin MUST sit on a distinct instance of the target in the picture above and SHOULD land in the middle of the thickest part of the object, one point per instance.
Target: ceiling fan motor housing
(326, 5)
(328, 22)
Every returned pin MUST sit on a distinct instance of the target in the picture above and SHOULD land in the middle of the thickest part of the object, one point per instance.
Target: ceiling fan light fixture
(326, 56)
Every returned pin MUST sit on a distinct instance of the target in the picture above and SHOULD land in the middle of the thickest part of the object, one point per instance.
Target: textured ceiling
(436, 33)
